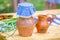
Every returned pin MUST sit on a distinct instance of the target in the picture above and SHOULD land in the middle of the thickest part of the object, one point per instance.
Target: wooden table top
(55, 12)
(52, 33)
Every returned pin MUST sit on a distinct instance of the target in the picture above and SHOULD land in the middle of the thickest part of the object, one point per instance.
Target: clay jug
(25, 26)
(42, 24)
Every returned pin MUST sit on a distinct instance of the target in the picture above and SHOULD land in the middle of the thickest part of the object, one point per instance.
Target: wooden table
(52, 33)
(55, 11)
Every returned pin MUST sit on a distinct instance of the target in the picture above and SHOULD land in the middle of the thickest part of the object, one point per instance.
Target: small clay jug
(25, 26)
(42, 24)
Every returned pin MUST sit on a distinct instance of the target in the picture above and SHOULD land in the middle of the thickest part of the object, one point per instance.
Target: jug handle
(51, 17)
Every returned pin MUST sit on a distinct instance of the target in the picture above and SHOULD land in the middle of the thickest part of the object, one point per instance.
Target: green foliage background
(39, 5)
(4, 8)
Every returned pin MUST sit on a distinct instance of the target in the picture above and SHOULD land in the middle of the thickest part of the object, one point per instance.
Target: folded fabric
(25, 10)
(56, 20)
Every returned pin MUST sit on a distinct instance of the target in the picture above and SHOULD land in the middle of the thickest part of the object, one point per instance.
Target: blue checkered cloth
(56, 21)
(25, 10)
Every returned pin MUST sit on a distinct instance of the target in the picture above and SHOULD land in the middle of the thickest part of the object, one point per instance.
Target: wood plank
(55, 12)
(52, 33)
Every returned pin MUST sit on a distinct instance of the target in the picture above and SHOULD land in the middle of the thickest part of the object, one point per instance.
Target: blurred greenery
(58, 6)
(39, 4)
(6, 5)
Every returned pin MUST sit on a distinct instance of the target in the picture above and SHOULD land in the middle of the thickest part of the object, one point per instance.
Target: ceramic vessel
(42, 24)
(1, 17)
(25, 26)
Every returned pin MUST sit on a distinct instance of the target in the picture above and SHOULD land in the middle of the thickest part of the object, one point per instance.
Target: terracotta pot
(25, 26)
(1, 17)
(42, 24)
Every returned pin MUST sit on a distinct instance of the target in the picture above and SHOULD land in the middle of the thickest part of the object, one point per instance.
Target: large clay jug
(42, 24)
(25, 26)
